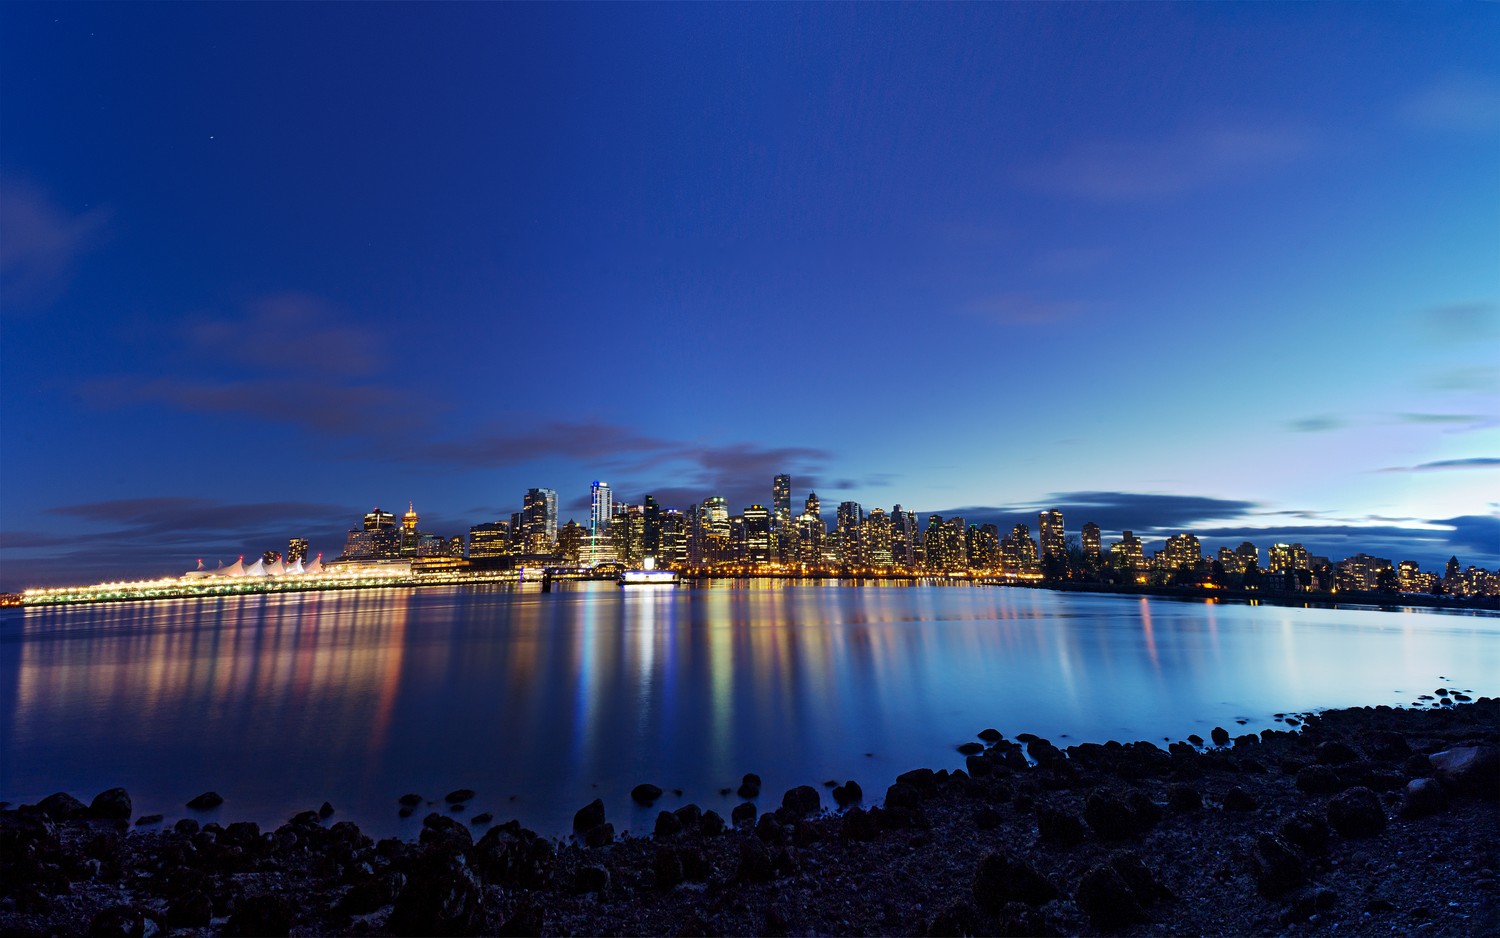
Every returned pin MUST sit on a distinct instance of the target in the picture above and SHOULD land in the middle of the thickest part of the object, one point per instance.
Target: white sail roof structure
(315, 567)
(255, 569)
(235, 569)
(277, 568)
(296, 568)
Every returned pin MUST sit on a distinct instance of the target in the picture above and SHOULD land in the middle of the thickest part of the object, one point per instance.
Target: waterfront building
(1249, 556)
(1182, 550)
(377, 520)
(572, 541)
(850, 516)
(781, 499)
(673, 550)
(875, 539)
(539, 514)
(810, 537)
(1027, 558)
(296, 549)
(984, 547)
(627, 534)
(757, 522)
(1287, 557)
(491, 539)
(812, 507)
(1127, 553)
(906, 539)
(1049, 527)
(1411, 579)
(1092, 544)
(652, 512)
(1363, 572)
(941, 549)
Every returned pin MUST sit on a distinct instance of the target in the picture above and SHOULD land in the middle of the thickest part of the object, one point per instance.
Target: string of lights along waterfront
(707, 540)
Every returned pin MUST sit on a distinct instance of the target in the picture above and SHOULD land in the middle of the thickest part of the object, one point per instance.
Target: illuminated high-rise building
(781, 496)
(1182, 550)
(627, 534)
(602, 507)
(410, 537)
(572, 542)
(757, 521)
(984, 547)
(377, 520)
(1249, 556)
(296, 549)
(875, 539)
(673, 551)
(1287, 557)
(1092, 545)
(905, 538)
(812, 506)
(539, 513)
(850, 516)
(488, 540)
(1049, 526)
(1025, 547)
(652, 512)
(1128, 553)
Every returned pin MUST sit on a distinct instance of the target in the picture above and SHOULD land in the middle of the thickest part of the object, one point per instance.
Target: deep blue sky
(1233, 269)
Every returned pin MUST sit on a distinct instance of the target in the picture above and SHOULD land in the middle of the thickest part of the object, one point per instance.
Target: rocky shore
(1364, 821)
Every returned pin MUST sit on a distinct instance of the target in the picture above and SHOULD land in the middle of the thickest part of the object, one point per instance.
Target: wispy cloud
(1133, 170)
(40, 244)
(291, 332)
(1317, 424)
(1463, 104)
(1113, 511)
(326, 407)
(1475, 462)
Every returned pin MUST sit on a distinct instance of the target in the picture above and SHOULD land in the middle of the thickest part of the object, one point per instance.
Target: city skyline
(1166, 268)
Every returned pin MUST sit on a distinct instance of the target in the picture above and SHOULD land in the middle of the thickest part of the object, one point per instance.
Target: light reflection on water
(541, 702)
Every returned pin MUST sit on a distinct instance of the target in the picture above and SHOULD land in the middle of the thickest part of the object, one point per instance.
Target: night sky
(1221, 268)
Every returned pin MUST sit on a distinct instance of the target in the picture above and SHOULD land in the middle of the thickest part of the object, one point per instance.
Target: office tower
(627, 534)
(812, 506)
(875, 539)
(1049, 526)
(652, 512)
(378, 520)
(540, 512)
(491, 539)
(781, 496)
(1026, 552)
(904, 539)
(849, 518)
(572, 542)
(674, 540)
(1230, 561)
(984, 547)
(409, 535)
(456, 546)
(757, 534)
(938, 552)
(811, 536)
(1092, 546)
(517, 533)
(296, 549)
(602, 507)
(714, 521)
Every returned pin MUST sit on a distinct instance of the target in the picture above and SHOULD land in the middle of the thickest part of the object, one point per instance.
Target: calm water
(542, 702)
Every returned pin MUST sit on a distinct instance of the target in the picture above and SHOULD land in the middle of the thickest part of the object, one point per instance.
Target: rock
(1334, 753)
(645, 794)
(1276, 866)
(371, 893)
(901, 795)
(987, 818)
(1220, 736)
(589, 816)
(743, 814)
(123, 920)
(1139, 877)
(923, 780)
(801, 801)
(483, 817)
(991, 735)
(848, 794)
(667, 866)
(1387, 746)
(1306, 904)
(268, 914)
(1109, 902)
(591, 878)
(689, 816)
(979, 766)
(1318, 780)
(600, 835)
(667, 825)
(970, 749)
(443, 831)
(768, 828)
(1356, 813)
(1002, 877)
(711, 824)
(112, 804)
(148, 819)
(62, 806)
(1109, 817)
(1306, 831)
(857, 824)
(191, 910)
(1423, 796)
(957, 918)
(1195, 739)
(1469, 770)
(306, 819)
(206, 801)
(410, 800)
(1059, 827)
(459, 796)
(441, 897)
(750, 786)
(1183, 798)
(325, 811)
(755, 862)
(1238, 799)
(186, 826)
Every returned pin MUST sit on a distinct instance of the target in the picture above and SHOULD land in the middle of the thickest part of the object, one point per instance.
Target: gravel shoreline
(1365, 820)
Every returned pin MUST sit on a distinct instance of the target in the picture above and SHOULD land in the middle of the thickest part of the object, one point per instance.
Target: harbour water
(542, 702)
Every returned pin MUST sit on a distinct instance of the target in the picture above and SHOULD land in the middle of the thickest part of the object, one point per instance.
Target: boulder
(190, 910)
(325, 811)
(743, 814)
(1109, 817)
(589, 816)
(970, 749)
(1238, 799)
(848, 794)
(1307, 831)
(801, 801)
(1003, 877)
(1469, 770)
(1059, 827)
(441, 830)
(1335, 753)
(1183, 798)
(1109, 902)
(689, 816)
(902, 795)
(410, 800)
(667, 825)
(206, 801)
(1387, 746)
(711, 824)
(1219, 735)
(62, 806)
(599, 835)
(1423, 796)
(1356, 813)
(441, 897)
(591, 878)
(112, 804)
(1318, 780)
(750, 786)
(857, 824)
(1276, 866)
(667, 865)
(459, 796)
(645, 794)
(991, 735)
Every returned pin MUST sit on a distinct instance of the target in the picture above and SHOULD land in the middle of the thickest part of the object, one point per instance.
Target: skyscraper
(539, 511)
(599, 548)
(1049, 525)
(296, 549)
(1092, 547)
(757, 534)
(781, 496)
